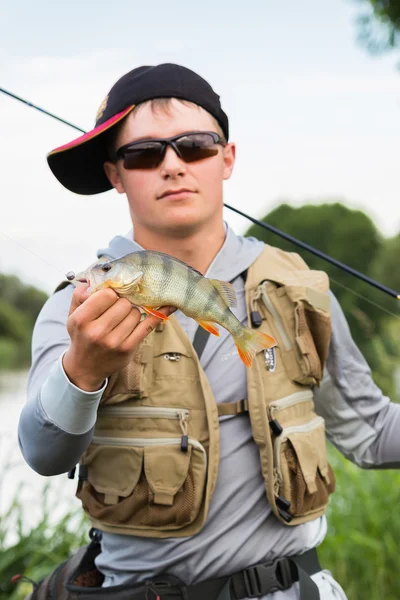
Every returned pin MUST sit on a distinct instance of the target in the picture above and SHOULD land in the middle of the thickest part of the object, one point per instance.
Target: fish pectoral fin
(209, 326)
(144, 289)
(225, 290)
(155, 313)
(131, 286)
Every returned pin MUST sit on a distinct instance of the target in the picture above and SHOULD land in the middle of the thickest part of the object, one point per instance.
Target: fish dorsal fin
(225, 290)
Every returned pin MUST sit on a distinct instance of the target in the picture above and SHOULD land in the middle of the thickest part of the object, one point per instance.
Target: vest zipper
(144, 411)
(142, 442)
(287, 401)
(275, 315)
(152, 411)
(284, 436)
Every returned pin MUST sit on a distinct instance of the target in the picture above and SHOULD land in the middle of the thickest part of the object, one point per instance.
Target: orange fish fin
(245, 356)
(225, 290)
(208, 326)
(252, 342)
(154, 313)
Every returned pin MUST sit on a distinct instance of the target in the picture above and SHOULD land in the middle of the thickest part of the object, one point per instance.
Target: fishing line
(285, 236)
(40, 109)
(32, 252)
(364, 298)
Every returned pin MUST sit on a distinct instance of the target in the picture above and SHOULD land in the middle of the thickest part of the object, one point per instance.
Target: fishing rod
(266, 226)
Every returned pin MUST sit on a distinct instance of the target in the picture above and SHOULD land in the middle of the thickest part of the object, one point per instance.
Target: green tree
(20, 305)
(386, 264)
(24, 297)
(379, 26)
(14, 324)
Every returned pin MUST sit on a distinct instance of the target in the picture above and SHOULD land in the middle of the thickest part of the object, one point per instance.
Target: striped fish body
(167, 281)
(151, 279)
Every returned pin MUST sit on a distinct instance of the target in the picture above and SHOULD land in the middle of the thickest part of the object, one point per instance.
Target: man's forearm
(56, 425)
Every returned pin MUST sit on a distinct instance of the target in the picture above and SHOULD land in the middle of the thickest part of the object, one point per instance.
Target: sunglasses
(149, 153)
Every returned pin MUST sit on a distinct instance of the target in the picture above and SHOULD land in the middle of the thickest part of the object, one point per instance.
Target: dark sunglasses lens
(143, 156)
(196, 146)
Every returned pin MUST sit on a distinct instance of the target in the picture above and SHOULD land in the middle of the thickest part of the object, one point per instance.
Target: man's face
(181, 214)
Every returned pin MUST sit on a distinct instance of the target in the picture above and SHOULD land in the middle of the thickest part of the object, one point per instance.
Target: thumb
(79, 296)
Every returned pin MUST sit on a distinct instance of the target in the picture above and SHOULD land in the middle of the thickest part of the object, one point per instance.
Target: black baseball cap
(78, 165)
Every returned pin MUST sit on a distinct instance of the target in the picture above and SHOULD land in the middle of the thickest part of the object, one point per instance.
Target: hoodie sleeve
(56, 424)
(360, 421)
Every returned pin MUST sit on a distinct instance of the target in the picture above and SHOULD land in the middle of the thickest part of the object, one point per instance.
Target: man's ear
(229, 159)
(111, 170)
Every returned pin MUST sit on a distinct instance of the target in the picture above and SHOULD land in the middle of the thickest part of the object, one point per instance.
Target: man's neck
(197, 250)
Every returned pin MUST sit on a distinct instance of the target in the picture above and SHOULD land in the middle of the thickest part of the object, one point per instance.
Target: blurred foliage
(20, 305)
(379, 25)
(25, 298)
(361, 545)
(350, 237)
(37, 552)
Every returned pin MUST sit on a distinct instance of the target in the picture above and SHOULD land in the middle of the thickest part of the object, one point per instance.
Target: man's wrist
(83, 381)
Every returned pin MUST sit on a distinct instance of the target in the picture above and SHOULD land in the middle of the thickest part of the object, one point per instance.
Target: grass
(361, 548)
(36, 552)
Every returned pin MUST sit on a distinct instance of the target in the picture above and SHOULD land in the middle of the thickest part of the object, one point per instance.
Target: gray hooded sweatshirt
(57, 423)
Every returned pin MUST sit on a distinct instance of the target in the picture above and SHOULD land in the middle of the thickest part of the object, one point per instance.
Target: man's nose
(172, 165)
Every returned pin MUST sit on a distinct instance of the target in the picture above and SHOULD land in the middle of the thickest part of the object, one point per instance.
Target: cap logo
(102, 108)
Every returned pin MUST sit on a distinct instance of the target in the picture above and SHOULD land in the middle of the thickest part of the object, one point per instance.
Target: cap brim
(78, 165)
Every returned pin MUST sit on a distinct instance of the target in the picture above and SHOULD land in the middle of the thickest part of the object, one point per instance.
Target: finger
(146, 326)
(79, 296)
(116, 314)
(120, 333)
(96, 304)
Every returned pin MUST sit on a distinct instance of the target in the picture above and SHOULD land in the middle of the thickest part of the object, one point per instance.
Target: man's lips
(178, 192)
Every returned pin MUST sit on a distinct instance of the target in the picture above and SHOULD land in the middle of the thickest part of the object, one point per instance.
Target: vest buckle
(267, 578)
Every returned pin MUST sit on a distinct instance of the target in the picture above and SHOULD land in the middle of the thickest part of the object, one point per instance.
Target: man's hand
(104, 331)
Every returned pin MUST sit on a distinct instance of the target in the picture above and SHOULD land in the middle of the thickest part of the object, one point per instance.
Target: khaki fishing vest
(152, 465)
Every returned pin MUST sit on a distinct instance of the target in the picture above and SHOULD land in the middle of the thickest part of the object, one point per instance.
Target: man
(85, 350)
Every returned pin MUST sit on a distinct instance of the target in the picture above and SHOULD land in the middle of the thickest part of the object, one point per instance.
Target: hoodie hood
(235, 256)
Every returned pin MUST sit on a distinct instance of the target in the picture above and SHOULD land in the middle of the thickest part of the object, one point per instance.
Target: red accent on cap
(94, 132)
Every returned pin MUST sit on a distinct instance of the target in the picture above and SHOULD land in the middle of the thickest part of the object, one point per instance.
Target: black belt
(253, 582)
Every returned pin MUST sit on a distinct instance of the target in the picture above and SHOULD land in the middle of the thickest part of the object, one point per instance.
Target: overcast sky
(314, 116)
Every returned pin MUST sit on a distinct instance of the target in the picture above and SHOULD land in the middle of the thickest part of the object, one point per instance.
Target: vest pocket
(313, 333)
(304, 477)
(301, 323)
(144, 483)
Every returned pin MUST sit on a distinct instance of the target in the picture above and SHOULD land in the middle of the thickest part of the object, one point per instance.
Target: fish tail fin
(250, 342)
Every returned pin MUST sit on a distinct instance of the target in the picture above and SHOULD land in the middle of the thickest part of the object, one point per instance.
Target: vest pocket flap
(166, 470)
(114, 471)
(310, 451)
(304, 476)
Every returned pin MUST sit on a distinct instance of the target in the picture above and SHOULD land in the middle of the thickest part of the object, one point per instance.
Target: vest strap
(200, 340)
(233, 408)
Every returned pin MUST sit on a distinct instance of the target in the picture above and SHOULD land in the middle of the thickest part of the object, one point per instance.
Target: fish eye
(105, 268)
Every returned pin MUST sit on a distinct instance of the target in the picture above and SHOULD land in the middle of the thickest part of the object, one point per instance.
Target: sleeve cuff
(67, 406)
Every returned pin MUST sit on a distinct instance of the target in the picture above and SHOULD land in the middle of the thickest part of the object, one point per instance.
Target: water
(17, 479)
